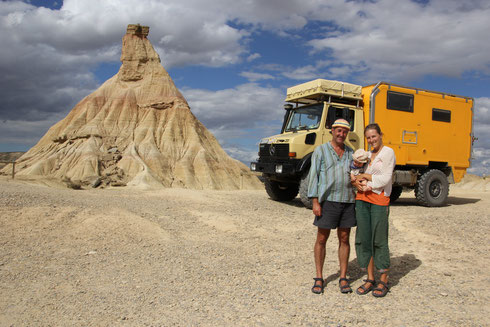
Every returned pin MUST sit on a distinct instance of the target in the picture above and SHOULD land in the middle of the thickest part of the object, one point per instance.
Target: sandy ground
(177, 257)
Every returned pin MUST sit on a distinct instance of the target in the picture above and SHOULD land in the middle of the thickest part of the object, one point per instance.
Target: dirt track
(215, 258)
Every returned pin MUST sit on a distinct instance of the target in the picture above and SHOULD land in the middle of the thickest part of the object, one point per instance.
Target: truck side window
(335, 113)
(441, 115)
(399, 101)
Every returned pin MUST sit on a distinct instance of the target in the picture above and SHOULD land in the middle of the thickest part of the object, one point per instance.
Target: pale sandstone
(136, 129)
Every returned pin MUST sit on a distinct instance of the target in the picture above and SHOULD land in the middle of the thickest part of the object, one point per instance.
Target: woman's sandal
(364, 289)
(318, 289)
(346, 288)
(383, 289)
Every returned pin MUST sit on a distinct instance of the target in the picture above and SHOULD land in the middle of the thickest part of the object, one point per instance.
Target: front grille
(276, 151)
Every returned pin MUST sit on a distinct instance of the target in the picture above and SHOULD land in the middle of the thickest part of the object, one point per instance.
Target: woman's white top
(381, 169)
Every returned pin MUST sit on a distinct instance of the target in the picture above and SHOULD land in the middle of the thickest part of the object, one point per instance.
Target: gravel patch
(177, 257)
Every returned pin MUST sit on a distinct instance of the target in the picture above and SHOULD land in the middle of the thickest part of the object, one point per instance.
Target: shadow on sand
(451, 200)
(400, 267)
(296, 202)
(401, 202)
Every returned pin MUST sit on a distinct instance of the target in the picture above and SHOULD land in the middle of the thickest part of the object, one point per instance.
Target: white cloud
(239, 153)
(253, 77)
(303, 73)
(403, 40)
(244, 106)
(44, 50)
(48, 56)
(320, 70)
(25, 132)
(253, 56)
(481, 122)
(242, 114)
(480, 163)
(482, 111)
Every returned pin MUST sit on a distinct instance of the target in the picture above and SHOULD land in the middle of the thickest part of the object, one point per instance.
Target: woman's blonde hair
(373, 126)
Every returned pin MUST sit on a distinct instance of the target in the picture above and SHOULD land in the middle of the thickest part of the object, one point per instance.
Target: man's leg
(319, 252)
(344, 251)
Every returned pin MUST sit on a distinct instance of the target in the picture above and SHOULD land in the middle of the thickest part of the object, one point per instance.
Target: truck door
(337, 111)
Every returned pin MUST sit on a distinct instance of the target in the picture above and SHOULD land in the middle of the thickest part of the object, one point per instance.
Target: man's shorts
(336, 214)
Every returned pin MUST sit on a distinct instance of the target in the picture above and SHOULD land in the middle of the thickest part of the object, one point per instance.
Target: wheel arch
(305, 163)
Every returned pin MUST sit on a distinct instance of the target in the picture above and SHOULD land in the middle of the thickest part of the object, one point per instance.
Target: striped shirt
(329, 177)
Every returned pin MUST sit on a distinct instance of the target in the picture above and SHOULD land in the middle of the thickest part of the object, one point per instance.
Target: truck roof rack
(321, 90)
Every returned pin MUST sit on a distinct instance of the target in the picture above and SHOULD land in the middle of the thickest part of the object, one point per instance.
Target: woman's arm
(388, 164)
(357, 184)
(365, 176)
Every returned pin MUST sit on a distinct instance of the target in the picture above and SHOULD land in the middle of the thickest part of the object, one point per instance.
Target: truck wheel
(303, 191)
(396, 191)
(432, 188)
(281, 191)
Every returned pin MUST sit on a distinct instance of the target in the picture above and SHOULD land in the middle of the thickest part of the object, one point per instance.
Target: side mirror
(288, 106)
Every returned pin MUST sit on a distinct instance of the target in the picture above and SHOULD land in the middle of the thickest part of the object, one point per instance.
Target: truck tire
(303, 191)
(281, 191)
(432, 188)
(396, 191)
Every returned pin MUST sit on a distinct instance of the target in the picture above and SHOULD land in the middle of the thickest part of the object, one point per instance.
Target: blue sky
(234, 60)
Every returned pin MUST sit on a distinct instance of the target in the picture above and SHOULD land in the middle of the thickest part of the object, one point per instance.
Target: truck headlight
(253, 166)
(279, 169)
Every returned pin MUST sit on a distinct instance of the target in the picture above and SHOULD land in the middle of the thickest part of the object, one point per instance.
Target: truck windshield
(305, 118)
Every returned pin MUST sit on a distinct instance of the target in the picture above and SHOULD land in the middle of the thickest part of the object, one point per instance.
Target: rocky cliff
(137, 130)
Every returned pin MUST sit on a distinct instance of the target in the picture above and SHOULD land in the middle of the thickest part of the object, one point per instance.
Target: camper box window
(441, 115)
(399, 101)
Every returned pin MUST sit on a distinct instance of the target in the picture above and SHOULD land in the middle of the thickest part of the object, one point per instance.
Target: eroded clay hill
(137, 130)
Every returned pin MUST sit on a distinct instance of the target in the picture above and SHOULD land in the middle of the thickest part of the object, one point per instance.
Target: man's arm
(313, 177)
(317, 209)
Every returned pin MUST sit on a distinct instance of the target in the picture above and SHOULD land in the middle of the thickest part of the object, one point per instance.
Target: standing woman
(372, 210)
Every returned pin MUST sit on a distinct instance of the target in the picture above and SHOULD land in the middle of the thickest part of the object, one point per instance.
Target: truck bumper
(273, 168)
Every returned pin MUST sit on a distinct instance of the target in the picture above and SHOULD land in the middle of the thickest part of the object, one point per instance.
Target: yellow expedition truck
(430, 132)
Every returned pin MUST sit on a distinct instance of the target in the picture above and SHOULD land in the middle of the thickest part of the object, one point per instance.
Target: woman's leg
(364, 243)
(369, 282)
(364, 248)
(381, 249)
(370, 270)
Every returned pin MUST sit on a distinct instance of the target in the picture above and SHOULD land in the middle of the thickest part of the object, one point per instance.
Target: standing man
(333, 200)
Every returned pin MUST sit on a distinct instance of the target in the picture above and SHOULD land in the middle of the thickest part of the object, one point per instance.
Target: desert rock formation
(137, 130)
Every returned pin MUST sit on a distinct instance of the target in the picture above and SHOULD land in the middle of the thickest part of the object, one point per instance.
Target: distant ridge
(9, 156)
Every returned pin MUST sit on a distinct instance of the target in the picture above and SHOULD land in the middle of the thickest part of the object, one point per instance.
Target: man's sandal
(383, 289)
(366, 290)
(318, 288)
(346, 288)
